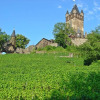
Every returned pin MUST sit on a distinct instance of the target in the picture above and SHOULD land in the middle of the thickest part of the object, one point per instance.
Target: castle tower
(13, 38)
(85, 34)
(76, 20)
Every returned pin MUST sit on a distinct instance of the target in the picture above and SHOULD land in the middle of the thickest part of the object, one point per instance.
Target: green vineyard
(48, 77)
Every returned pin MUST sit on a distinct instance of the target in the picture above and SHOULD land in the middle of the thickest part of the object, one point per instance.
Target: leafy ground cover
(48, 77)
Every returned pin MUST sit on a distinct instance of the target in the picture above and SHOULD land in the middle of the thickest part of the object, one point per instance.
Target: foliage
(47, 77)
(49, 48)
(3, 38)
(62, 39)
(52, 49)
(72, 48)
(21, 41)
(91, 48)
(61, 32)
(91, 57)
(2, 32)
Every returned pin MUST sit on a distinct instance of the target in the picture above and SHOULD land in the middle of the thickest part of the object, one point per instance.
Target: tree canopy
(92, 46)
(3, 38)
(21, 41)
(61, 32)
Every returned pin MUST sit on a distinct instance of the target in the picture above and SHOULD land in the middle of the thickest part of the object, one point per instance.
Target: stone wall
(78, 41)
(42, 43)
(28, 50)
(54, 44)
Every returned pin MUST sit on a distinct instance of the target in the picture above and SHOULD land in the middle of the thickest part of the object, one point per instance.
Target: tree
(2, 32)
(61, 32)
(3, 38)
(62, 39)
(92, 47)
(21, 41)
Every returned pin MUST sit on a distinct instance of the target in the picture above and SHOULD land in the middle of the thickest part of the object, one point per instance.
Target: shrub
(48, 48)
(91, 57)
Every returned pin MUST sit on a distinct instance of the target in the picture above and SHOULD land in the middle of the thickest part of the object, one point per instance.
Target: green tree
(61, 32)
(3, 38)
(21, 41)
(92, 47)
(2, 32)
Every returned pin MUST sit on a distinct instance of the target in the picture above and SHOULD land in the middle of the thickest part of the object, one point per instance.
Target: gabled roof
(41, 40)
(75, 8)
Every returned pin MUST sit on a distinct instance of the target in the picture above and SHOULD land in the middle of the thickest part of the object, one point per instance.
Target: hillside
(47, 77)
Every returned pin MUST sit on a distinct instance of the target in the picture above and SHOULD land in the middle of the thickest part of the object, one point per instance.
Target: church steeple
(13, 34)
(13, 38)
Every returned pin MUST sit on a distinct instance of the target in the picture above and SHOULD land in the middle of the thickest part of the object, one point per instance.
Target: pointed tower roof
(81, 11)
(67, 12)
(75, 8)
(13, 34)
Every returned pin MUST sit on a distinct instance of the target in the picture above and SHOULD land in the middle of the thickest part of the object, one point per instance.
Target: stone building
(9, 47)
(27, 50)
(76, 20)
(44, 42)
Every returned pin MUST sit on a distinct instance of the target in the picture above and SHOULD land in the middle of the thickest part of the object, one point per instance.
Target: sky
(35, 19)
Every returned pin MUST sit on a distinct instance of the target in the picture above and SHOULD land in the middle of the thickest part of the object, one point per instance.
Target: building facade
(76, 20)
(9, 47)
(44, 42)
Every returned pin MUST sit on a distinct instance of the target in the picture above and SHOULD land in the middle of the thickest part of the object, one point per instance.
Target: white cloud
(98, 17)
(98, 8)
(94, 9)
(95, 3)
(85, 9)
(90, 12)
(80, 5)
(59, 6)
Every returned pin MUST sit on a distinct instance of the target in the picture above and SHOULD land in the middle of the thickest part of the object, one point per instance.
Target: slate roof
(81, 11)
(13, 34)
(75, 8)
(67, 12)
(43, 39)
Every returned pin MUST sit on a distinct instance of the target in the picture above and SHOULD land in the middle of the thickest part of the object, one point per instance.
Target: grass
(48, 77)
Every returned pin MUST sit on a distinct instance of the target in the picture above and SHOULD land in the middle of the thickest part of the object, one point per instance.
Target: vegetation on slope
(92, 47)
(47, 77)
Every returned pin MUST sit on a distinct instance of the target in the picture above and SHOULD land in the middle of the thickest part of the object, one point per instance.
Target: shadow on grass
(79, 87)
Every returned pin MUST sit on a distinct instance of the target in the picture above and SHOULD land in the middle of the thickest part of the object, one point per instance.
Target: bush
(71, 48)
(48, 48)
(91, 57)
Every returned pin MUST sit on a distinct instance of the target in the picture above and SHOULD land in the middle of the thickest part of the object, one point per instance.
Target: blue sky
(35, 19)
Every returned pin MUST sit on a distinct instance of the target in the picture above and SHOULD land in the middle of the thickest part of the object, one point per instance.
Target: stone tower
(9, 47)
(13, 38)
(76, 20)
